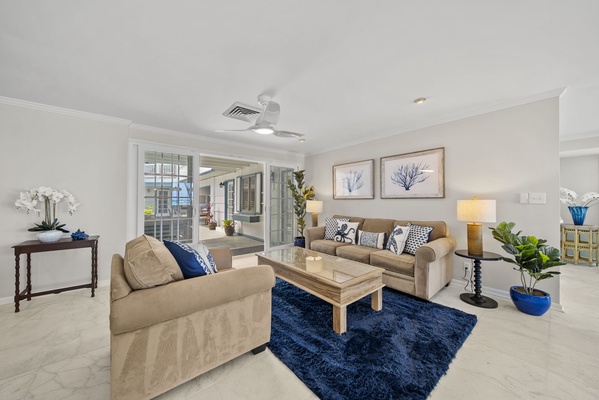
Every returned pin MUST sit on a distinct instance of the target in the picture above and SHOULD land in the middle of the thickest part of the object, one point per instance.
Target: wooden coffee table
(337, 281)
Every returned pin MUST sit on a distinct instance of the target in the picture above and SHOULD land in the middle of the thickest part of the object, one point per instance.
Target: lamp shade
(313, 206)
(476, 210)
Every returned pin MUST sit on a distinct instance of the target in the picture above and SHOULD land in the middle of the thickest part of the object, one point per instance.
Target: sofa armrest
(142, 308)
(314, 233)
(222, 257)
(436, 249)
(434, 266)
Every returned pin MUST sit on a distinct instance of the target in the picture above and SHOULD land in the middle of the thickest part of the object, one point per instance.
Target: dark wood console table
(35, 246)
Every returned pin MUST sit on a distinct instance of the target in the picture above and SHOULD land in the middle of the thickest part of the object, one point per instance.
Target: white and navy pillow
(347, 232)
(371, 239)
(398, 238)
(417, 236)
(192, 263)
(331, 226)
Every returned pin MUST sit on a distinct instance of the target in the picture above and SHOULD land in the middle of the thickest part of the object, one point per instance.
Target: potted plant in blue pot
(533, 257)
(300, 194)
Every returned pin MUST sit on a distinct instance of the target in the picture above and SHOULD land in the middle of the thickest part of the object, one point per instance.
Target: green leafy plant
(300, 195)
(228, 223)
(149, 210)
(531, 255)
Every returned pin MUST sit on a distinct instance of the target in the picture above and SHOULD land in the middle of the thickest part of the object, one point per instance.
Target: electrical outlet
(466, 267)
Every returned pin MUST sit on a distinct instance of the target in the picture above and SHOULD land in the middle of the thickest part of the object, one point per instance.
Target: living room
(59, 129)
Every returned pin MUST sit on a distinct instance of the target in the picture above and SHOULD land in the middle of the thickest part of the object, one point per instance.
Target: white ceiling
(343, 71)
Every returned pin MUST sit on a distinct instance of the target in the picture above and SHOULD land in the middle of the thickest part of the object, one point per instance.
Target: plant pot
(531, 304)
(299, 241)
(578, 213)
(49, 236)
(212, 226)
(229, 230)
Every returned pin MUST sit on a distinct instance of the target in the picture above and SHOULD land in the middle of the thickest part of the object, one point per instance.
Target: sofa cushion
(371, 239)
(359, 220)
(149, 263)
(400, 263)
(378, 225)
(332, 226)
(356, 253)
(439, 227)
(326, 246)
(347, 232)
(397, 241)
(192, 263)
(417, 236)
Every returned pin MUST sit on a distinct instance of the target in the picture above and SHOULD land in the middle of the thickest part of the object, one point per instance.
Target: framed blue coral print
(354, 180)
(420, 174)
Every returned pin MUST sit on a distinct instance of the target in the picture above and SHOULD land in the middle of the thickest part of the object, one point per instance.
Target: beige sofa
(169, 334)
(421, 275)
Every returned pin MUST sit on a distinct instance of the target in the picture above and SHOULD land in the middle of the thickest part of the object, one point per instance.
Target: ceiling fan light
(264, 131)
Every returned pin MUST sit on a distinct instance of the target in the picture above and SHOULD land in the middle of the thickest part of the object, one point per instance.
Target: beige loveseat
(166, 335)
(421, 275)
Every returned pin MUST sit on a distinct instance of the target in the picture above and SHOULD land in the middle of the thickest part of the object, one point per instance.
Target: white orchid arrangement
(29, 200)
(569, 197)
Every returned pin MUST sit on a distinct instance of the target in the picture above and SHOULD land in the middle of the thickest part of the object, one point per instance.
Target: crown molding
(579, 136)
(209, 139)
(64, 111)
(502, 105)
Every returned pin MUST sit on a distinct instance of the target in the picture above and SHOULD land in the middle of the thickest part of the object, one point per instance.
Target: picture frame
(420, 174)
(354, 180)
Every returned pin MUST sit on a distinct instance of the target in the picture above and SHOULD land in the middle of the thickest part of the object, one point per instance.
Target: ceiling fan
(265, 124)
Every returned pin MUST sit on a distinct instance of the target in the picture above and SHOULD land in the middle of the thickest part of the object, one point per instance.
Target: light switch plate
(523, 198)
(537, 198)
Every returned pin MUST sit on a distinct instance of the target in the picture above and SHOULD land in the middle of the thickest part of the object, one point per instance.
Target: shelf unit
(580, 243)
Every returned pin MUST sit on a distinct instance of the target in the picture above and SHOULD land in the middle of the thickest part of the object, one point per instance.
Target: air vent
(243, 112)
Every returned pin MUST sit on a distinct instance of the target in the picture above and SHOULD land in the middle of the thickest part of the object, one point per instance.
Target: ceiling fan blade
(231, 130)
(287, 134)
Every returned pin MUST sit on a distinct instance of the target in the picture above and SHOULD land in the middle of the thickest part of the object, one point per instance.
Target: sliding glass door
(281, 207)
(168, 196)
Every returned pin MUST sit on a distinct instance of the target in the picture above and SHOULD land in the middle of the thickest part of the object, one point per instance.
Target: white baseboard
(504, 294)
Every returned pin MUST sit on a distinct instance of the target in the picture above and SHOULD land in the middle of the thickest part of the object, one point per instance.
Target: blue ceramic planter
(579, 213)
(299, 241)
(529, 304)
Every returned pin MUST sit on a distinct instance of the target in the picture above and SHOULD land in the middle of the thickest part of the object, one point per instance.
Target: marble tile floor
(57, 347)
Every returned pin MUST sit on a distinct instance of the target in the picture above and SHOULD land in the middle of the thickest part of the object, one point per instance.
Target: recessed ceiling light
(302, 140)
(420, 100)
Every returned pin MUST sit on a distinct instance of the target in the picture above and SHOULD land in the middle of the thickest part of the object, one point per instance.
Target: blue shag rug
(400, 352)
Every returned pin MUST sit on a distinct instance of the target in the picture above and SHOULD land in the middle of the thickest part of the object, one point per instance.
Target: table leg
(17, 283)
(376, 300)
(477, 299)
(94, 267)
(28, 276)
(340, 319)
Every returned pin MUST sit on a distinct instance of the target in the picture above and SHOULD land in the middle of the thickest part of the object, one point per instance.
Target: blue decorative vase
(299, 241)
(529, 304)
(579, 213)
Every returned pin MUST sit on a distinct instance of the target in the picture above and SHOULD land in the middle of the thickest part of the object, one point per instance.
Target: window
(168, 196)
(250, 195)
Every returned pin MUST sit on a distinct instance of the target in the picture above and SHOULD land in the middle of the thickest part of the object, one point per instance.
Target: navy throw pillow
(192, 263)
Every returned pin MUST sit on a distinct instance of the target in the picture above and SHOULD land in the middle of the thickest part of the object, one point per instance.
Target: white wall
(84, 156)
(493, 156)
(580, 174)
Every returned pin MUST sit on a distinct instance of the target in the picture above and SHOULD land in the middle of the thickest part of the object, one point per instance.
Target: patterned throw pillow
(192, 263)
(332, 226)
(397, 240)
(417, 236)
(371, 239)
(347, 232)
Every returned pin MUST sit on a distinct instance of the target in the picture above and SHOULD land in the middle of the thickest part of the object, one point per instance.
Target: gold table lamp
(476, 211)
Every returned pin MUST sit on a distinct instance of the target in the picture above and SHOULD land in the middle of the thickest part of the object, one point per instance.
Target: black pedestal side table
(477, 299)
